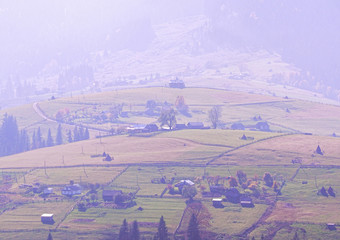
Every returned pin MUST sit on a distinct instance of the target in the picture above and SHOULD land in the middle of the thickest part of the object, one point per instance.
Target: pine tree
(162, 233)
(59, 137)
(34, 142)
(49, 142)
(253, 238)
(193, 232)
(134, 234)
(124, 231)
(38, 138)
(86, 134)
(75, 134)
(49, 237)
(9, 136)
(69, 136)
(81, 133)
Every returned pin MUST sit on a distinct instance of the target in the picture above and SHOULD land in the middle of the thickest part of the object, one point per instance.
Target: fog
(40, 39)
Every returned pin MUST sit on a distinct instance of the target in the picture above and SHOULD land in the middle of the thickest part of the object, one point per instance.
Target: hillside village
(241, 168)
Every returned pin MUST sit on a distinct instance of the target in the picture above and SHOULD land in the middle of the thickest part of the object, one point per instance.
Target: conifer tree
(9, 136)
(86, 134)
(134, 234)
(124, 231)
(81, 133)
(38, 138)
(193, 232)
(75, 134)
(69, 136)
(59, 137)
(162, 233)
(49, 142)
(50, 236)
(296, 237)
(34, 141)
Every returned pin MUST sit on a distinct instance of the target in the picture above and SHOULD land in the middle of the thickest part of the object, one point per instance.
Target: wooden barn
(47, 218)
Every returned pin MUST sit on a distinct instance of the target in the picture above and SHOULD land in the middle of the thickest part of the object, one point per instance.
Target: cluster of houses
(152, 127)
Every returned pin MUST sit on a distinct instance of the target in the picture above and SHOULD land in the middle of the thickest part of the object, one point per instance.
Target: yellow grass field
(283, 150)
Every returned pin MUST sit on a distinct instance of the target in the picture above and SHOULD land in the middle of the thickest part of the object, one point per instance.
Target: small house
(247, 202)
(262, 126)
(331, 226)
(150, 128)
(72, 189)
(232, 195)
(47, 218)
(217, 202)
(108, 158)
(48, 190)
(110, 195)
(183, 183)
(195, 125)
(177, 83)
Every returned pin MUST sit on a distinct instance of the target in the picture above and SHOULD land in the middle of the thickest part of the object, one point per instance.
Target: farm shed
(217, 202)
(48, 190)
(47, 218)
(110, 195)
(150, 128)
(247, 202)
(331, 226)
(177, 83)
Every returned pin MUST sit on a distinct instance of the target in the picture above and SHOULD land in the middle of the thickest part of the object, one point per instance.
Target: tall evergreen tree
(81, 133)
(134, 234)
(86, 134)
(69, 136)
(124, 231)
(49, 141)
(50, 236)
(34, 141)
(9, 136)
(59, 137)
(193, 232)
(162, 233)
(38, 138)
(75, 134)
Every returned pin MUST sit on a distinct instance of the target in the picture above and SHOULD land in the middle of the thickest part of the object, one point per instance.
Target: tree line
(13, 140)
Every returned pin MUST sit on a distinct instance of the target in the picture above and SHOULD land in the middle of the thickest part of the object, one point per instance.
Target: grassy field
(284, 149)
(104, 218)
(61, 176)
(27, 216)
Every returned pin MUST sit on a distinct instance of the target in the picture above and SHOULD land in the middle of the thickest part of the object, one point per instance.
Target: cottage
(110, 195)
(232, 195)
(47, 218)
(331, 226)
(195, 125)
(262, 126)
(177, 83)
(183, 183)
(72, 189)
(150, 128)
(48, 190)
(217, 202)
(247, 202)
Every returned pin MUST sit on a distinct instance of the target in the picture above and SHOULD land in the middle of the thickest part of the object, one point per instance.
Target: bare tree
(214, 115)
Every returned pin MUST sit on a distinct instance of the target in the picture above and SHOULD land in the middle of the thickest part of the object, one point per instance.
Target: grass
(228, 138)
(27, 216)
(233, 219)
(125, 150)
(283, 150)
(153, 209)
(60, 176)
